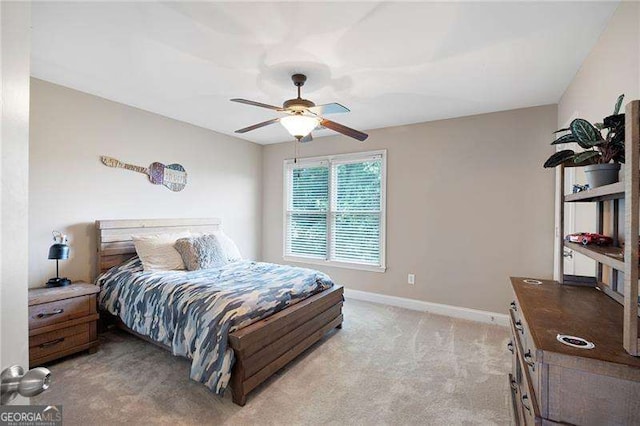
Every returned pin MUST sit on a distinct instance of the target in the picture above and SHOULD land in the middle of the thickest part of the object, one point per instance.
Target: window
(335, 210)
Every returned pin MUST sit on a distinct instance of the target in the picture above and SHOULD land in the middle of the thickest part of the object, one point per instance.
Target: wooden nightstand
(62, 321)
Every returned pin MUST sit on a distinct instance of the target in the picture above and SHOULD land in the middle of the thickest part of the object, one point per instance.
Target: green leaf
(562, 130)
(585, 156)
(568, 138)
(587, 145)
(618, 138)
(586, 135)
(614, 121)
(598, 126)
(616, 109)
(559, 158)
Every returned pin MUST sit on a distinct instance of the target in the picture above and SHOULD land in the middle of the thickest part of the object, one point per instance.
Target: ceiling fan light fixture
(298, 125)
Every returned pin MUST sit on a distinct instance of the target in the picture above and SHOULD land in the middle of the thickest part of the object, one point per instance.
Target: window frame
(331, 212)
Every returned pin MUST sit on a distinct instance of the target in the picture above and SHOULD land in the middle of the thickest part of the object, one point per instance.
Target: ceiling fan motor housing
(297, 104)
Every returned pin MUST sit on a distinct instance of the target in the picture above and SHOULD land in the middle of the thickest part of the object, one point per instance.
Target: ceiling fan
(304, 116)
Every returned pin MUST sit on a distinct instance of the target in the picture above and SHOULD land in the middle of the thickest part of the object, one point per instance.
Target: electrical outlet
(411, 279)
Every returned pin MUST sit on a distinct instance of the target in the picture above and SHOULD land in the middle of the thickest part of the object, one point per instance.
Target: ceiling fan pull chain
(295, 153)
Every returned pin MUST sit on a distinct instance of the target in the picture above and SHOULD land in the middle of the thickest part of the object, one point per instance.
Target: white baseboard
(434, 308)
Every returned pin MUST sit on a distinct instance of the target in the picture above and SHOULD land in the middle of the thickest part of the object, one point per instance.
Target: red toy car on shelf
(586, 238)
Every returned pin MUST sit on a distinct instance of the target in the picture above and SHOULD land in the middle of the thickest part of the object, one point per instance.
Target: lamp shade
(298, 125)
(59, 251)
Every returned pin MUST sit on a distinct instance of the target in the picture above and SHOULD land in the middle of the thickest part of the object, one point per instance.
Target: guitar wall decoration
(172, 176)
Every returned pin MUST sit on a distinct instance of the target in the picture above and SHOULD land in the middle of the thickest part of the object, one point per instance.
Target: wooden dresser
(62, 321)
(554, 383)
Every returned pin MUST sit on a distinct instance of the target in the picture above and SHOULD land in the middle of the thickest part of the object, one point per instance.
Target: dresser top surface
(551, 308)
(38, 296)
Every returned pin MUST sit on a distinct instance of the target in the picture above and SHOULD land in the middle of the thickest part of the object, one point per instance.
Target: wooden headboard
(114, 236)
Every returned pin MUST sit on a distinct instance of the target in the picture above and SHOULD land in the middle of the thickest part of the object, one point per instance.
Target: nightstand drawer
(62, 321)
(44, 345)
(60, 311)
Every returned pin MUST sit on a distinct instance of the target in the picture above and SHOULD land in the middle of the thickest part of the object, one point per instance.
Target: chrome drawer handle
(525, 399)
(50, 314)
(528, 359)
(519, 327)
(514, 306)
(52, 343)
(510, 346)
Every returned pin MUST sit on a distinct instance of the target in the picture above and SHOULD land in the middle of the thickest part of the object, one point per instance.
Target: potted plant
(602, 155)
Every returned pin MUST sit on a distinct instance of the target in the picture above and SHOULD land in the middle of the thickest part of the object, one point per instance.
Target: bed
(263, 342)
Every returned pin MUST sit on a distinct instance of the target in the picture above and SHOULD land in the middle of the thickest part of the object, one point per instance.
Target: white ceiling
(390, 63)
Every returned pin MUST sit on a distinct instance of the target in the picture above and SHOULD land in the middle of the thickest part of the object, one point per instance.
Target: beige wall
(69, 188)
(468, 204)
(15, 18)
(611, 68)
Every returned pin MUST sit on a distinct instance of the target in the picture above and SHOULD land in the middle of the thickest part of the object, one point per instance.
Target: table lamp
(58, 251)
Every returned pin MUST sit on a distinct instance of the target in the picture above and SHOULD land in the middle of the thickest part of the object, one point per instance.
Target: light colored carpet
(386, 366)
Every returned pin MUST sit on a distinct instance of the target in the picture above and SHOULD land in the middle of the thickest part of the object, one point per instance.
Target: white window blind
(307, 211)
(335, 210)
(356, 209)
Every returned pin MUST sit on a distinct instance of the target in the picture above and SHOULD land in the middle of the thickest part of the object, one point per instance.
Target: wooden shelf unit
(607, 255)
(620, 259)
(615, 191)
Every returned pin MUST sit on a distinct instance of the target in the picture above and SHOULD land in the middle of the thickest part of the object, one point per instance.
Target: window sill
(336, 264)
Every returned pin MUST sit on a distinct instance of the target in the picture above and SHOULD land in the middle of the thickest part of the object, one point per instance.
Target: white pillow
(157, 252)
(230, 248)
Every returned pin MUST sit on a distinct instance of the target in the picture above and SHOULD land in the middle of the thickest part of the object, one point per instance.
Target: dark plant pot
(602, 174)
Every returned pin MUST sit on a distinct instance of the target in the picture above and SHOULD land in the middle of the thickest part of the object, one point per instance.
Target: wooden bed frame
(260, 349)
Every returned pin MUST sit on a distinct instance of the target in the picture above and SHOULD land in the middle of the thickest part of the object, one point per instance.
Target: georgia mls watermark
(31, 415)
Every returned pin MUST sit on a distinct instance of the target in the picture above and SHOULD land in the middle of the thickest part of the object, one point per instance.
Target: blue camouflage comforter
(193, 312)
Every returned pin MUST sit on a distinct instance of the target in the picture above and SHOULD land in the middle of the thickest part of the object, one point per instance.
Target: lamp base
(58, 282)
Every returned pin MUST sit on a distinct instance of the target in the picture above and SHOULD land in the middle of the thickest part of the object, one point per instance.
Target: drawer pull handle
(528, 359)
(510, 346)
(50, 314)
(519, 326)
(52, 343)
(514, 386)
(525, 401)
(514, 306)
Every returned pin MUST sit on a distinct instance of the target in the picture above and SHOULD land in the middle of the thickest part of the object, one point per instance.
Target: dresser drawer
(527, 404)
(60, 311)
(516, 407)
(528, 399)
(45, 345)
(529, 351)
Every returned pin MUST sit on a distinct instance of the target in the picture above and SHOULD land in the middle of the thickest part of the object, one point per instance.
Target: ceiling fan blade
(347, 131)
(258, 104)
(333, 108)
(307, 138)
(257, 126)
